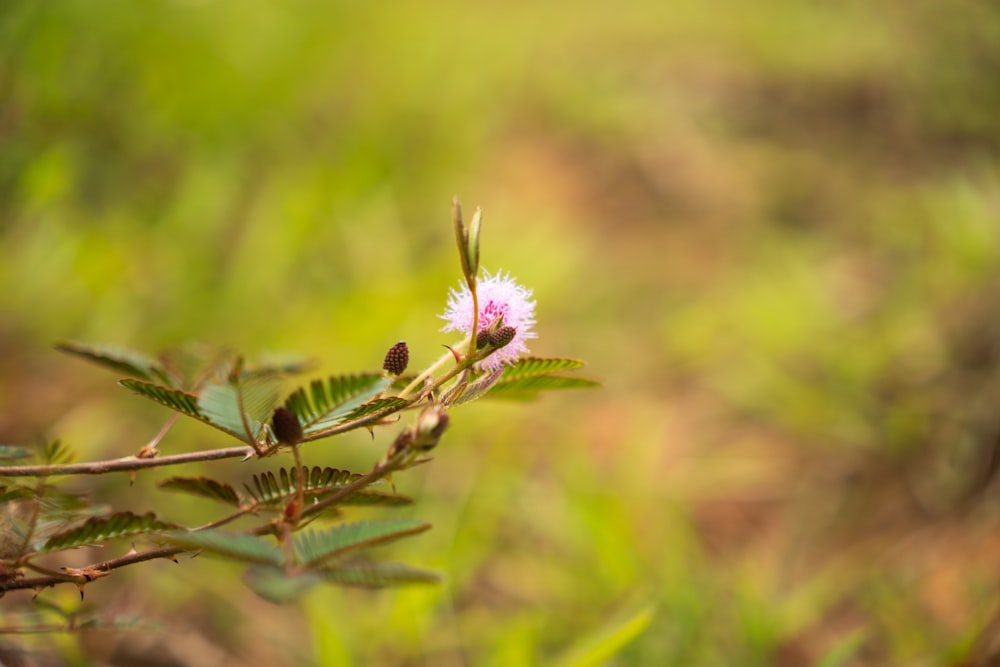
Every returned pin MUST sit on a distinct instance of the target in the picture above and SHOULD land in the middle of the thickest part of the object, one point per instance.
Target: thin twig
(125, 463)
(106, 566)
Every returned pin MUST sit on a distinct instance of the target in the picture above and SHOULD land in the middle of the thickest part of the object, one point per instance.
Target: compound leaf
(528, 387)
(98, 529)
(315, 547)
(120, 359)
(531, 366)
(15, 493)
(276, 489)
(203, 487)
(13, 452)
(376, 575)
(175, 399)
(276, 585)
(236, 546)
(56, 453)
(388, 404)
(329, 403)
(241, 409)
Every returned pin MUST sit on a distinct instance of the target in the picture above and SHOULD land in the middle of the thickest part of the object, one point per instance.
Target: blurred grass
(772, 232)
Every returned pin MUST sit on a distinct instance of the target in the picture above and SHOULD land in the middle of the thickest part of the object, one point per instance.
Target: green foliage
(273, 490)
(315, 547)
(376, 406)
(175, 399)
(119, 359)
(95, 530)
(277, 585)
(368, 574)
(528, 376)
(56, 453)
(236, 546)
(12, 453)
(15, 493)
(242, 408)
(203, 487)
(330, 403)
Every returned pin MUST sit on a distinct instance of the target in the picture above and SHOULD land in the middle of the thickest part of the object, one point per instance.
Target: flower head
(499, 297)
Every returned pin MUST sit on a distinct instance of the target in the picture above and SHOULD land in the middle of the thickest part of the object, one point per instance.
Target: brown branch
(131, 558)
(125, 463)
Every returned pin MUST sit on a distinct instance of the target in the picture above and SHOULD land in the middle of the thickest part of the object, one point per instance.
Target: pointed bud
(467, 239)
(430, 425)
(397, 358)
(472, 241)
(502, 336)
(286, 426)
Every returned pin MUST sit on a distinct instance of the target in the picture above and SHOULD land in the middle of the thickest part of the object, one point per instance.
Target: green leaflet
(526, 378)
(275, 490)
(203, 487)
(334, 401)
(531, 366)
(56, 453)
(528, 387)
(101, 528)
(389, 404)
(377, 575)
(175, 399)
(120, 359)
(478, 388)
(241, 409)
(315, 547)
(217, 406)
(246, 548)
(276, 585)
(15, 493)
(13, 452)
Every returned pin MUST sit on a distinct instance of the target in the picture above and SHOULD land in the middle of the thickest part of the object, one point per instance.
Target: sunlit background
(772, 231)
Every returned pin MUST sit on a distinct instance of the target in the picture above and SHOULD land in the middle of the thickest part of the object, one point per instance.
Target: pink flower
(499, 296)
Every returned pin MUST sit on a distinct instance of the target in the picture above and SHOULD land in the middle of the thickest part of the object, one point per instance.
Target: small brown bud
(502, 336)
(286, 426)
(482, 339)
(397, 358)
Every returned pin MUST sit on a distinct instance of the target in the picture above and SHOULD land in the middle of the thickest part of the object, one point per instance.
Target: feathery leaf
(276, 585)
(175, 399)
(314, 547)
(274, 490)
(13, 452)
(15, 493)
(237, 546)
(98, 529)
(328, 403)
(376, 575)
(56, 453)
(204, 487)
(529, 366)
(529, 375)
(241, 409)
(528, 387)
(120, 359)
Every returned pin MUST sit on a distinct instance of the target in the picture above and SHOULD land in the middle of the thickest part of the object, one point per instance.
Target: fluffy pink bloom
(499, 296)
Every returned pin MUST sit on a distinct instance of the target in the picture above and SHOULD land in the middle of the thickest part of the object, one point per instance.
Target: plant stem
(431, 370)
(106, 566)
(124, 464)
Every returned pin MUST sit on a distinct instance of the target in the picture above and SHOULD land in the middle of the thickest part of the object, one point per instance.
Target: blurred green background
(771, 230)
